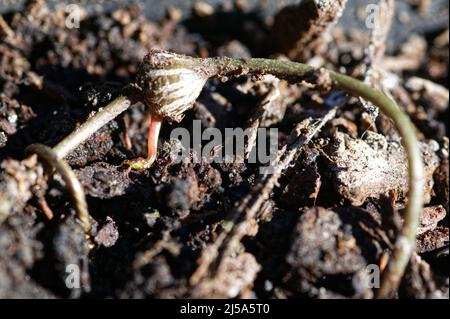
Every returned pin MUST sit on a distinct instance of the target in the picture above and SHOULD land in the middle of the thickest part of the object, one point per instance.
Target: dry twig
(376, 49)
(249, 206)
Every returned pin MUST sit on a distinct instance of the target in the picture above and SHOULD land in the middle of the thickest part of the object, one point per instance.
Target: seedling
(168, 84)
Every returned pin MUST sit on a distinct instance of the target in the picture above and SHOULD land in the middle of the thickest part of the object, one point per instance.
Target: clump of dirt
(327, 244)
(369, 167)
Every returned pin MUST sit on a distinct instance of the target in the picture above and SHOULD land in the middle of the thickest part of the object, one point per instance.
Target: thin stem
(93, 124)
(54, 156)
(75, 189)
(295, 72)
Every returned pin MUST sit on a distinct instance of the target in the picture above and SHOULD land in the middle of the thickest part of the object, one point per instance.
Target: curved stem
(93, 124)
(406, 240)
(295, 72)
(69, 177)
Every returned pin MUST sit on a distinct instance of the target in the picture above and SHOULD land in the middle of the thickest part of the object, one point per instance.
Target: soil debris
(373, 166)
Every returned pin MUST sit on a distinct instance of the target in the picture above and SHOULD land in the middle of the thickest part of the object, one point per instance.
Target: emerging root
(154, 127)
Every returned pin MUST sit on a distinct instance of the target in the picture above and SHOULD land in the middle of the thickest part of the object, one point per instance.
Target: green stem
(295, 72)
(406, 240)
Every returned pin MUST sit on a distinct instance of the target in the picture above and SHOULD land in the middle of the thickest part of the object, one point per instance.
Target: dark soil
(336, 208)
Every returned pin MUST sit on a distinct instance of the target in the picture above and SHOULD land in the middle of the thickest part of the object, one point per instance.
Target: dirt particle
(108, 233)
